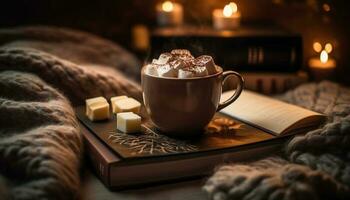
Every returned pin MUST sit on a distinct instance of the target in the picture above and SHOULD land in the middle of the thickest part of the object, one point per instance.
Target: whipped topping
(180, 63)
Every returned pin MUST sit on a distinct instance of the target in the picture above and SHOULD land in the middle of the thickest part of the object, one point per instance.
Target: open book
(271, 115)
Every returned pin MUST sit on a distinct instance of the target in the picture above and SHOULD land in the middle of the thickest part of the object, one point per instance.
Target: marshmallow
(151, 70)
(192, 72)
(182, 54)
(185, 74)
(181, 64)
(207, 62)
(200, 71)
(177, 64)
(163, 59)
(166, 71)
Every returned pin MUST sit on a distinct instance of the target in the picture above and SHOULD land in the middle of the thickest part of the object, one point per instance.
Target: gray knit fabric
(314, 166)
(42, 71)
(40, 146)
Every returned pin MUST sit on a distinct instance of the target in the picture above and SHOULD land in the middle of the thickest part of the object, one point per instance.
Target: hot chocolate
(180, 63)
(181, 93)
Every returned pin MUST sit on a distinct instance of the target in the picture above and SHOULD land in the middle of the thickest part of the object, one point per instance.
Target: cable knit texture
(42, 72)
(315, 165)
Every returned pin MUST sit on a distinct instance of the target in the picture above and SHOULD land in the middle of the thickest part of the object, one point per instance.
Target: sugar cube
(91, 101)
(128, 122)
(115, 99)
(97, 108)
(126, 105)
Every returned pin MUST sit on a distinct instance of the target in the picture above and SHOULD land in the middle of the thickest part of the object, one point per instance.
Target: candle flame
(229, 9)
(167, 6)
(317, 47)
(328, 47)
(324, 56)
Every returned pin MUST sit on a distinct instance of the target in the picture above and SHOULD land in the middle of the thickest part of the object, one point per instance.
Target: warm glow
(234, 7)
(168, 6)
(324, 56)
(326, 7)
(317, 47)
(229, 9)
(328, 47)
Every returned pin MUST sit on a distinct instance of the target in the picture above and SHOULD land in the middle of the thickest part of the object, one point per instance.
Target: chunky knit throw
(44, 71)
(314, 166)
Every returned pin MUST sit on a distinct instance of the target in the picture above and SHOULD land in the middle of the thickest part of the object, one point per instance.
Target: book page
(264, 112)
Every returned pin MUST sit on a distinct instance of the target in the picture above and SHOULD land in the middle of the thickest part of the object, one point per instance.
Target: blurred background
(322, 21)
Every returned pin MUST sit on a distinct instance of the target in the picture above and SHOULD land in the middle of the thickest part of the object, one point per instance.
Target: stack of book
(269, 57)
(254, 125)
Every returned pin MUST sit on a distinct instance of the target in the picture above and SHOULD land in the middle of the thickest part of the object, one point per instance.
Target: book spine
(273, 54)
(101, 167)
(262, 57)
(269, 83)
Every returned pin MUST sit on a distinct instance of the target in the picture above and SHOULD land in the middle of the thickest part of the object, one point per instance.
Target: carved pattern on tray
(150, 142)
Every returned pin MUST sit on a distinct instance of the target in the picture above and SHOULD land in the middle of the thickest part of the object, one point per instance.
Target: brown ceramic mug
(185, 105)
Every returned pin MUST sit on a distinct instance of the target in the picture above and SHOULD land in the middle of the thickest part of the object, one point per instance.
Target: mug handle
(238, 91)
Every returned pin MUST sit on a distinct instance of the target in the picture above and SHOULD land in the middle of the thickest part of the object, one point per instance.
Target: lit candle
(322, 67)
(228, 18)
(169, 14)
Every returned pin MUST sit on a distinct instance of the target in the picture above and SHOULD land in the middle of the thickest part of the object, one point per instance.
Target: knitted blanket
(45, 71)
(42, 72)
